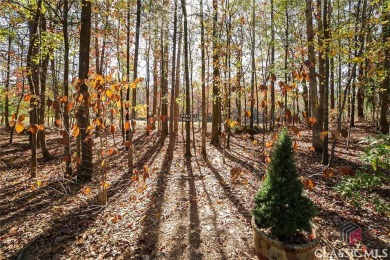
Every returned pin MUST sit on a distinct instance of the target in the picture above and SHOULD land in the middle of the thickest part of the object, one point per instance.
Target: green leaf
(373, 163)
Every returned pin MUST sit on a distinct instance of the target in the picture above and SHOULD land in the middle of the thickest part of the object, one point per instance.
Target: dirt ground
(189, 208)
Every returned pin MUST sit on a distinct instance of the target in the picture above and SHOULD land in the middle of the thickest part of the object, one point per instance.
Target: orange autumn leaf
(312, 120)
(309, 184)
(247, 113)
(145, 174)
(328, 173)
(127, 125)
(76, 131)
(33, 129)
(19, 128)
(21, 118)
(269, 144)
(112, 129)
(87, 190)
(112, 151)
(346, 171)
(58, 122)
(296, 130)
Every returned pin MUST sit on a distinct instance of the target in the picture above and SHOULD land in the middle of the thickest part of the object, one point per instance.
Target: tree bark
(216, 79)
(253, 70)
(317, 143)
(42, 104)
(67, 154)
(325, 155)
(177, 84)
(33, 80)
(272, 116)
(86, 167)
(203, 78)
(7, 81)
(385, 85)
(164, 79)
(171, 113)
(187, 79)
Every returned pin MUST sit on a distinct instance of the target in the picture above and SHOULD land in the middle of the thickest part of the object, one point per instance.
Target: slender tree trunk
(187, 79)
(148, 76)
(164, 79)
(272, 116)
(321, 71)
(68, 168)
(7, 80)
(134, 90)
(86, 167)
(216, 79)
(177, 84)
(33, 80)
(155, 86)
(203, 78)
(172, 118)
(286, 61)
(127, 116)
(120, 77)
(325, 156)
(332, 83)
(385, 85)
(57, 112)
(229, 94)
(252, 98)
(42, 104)
(317, 128)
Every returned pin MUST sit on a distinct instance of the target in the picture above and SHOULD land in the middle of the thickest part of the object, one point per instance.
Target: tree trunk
(7, 80)
(67, 154)
(155, 86)
(171, 113)
(317, 128)
(164, 79)
(86, 167)
(33, 80)
(177, 85)
(321, 71)
(385, 85)
(203, 78)
(42, 104)
(325, 156)
(332, 82)
(216, 80)
(272, 116)
(253, 70)
(134, 90)
(187, 79)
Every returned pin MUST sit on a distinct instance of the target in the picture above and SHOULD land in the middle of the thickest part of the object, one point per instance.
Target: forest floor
(189, 208)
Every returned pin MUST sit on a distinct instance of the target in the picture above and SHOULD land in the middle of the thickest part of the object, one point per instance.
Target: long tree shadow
(243, 163)
(194, 234)
(228, 192)
(368, 239)
(151, 226)
(214, 218)
(70, 225)
(40, 199)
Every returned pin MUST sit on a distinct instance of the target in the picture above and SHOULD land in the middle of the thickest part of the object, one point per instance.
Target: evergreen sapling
(279, 203)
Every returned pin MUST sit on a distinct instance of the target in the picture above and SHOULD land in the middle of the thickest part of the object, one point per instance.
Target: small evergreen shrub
(279, 203)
